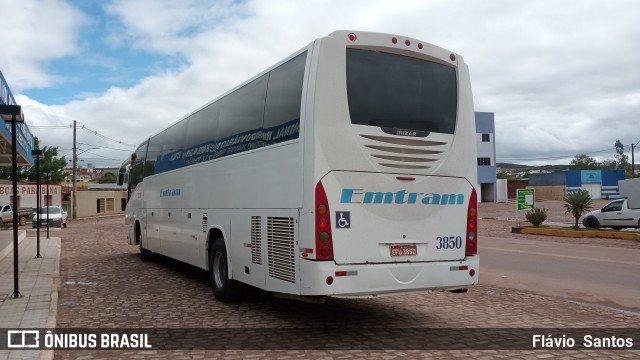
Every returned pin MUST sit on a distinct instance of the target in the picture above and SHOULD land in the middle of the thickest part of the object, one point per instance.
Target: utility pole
(633, 160)
(73, 176)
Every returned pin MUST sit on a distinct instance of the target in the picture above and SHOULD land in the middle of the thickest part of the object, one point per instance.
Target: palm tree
(577, 203)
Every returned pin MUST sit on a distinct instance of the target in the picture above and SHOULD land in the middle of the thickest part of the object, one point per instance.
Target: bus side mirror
(121, 174)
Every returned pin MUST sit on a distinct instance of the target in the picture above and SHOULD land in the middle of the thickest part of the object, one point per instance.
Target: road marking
(635, 263)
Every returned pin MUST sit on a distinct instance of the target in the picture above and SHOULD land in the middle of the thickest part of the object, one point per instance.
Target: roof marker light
(452, 57)
(353, 37)
(420, 46)
(394, 40)
(407, 42)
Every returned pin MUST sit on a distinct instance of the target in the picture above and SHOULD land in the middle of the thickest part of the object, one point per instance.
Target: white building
(487, 171)
(27, 194)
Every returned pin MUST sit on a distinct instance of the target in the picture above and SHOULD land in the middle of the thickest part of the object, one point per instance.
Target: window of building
(486, 138)
(100, 206)
(484, 161)
(110, 205)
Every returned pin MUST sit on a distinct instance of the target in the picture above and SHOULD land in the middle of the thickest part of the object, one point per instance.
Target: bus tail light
(472, 225)
(324, 243)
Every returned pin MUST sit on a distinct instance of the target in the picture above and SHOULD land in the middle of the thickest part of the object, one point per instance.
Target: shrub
(577, 203)
(536, 216)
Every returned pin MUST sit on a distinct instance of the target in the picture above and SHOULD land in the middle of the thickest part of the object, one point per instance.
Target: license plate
(404, 250)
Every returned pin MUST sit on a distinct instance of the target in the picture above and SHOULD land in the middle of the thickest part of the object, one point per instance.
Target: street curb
(577, 233)
(9, 248)
(53, 307)
(96, 217)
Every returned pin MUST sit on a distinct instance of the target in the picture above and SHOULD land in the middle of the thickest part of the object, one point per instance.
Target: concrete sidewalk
(38, 284)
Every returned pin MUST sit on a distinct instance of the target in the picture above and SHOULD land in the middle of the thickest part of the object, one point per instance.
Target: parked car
(616, 215)
(54, 215)
(6, 215)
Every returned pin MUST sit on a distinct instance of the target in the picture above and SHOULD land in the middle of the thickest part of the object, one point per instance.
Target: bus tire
(224, 288)
(145, 255)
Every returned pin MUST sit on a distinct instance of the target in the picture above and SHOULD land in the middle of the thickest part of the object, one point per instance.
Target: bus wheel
(145, 255)
(225, 289)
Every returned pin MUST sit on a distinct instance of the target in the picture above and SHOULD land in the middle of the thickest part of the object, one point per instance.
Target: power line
(103, 157)
(104, 147)
(96, 133)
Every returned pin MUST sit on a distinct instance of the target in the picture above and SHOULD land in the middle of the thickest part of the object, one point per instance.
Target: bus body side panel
(462, 156)
(261, 179)
(135, 212)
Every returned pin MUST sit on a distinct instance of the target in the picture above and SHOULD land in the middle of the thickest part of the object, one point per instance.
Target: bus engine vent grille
(256, 240)
(403, 153)
(205, 222)
(281, 249)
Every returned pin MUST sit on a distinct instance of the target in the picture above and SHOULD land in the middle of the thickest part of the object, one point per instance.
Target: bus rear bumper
(367, 280)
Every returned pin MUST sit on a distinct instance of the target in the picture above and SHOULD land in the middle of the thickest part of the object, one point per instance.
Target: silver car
(616, 215)
(54, 215)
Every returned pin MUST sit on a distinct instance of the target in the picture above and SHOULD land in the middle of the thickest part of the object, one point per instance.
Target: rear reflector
(458, 268)
(346, 273)
(472, 225)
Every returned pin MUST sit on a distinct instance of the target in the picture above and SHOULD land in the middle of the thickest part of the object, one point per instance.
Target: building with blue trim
(24, 138)
(486, 147)
(601, 184)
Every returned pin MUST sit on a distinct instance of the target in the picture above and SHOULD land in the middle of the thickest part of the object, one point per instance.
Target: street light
(48, 203)
(13, 114)
(37, 153)
(74, 203)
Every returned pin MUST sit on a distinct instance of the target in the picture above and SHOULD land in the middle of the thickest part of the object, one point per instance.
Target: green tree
(577, 203)
(609, 165)
(584, 162)
(49, 162)
(622, 159)
(5, 173)
(108, 178)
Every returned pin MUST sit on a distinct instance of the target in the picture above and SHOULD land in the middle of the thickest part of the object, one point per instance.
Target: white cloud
(560, 76)
(35, 32)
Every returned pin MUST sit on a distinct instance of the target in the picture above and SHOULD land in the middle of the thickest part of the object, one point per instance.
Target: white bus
(345, 170)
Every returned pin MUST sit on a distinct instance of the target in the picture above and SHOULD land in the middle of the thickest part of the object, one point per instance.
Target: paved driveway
(104, 285)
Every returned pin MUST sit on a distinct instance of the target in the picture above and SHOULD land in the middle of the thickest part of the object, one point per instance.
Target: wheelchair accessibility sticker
(343, 219)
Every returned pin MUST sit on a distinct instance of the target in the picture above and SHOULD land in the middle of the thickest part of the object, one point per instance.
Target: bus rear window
(394, 91)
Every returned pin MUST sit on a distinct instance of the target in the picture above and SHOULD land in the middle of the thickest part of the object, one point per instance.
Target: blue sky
(100, 62)
(561, 77)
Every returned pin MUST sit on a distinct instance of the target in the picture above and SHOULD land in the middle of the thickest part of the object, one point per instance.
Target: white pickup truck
(6, 215)
(616, 215)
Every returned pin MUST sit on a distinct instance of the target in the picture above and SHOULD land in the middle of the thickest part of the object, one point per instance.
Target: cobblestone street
(103, 284)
